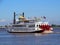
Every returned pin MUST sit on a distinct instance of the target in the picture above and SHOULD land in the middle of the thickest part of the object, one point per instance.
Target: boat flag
(44, 17)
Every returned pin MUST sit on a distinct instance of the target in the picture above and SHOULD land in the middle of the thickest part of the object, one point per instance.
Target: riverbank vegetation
(54, 25)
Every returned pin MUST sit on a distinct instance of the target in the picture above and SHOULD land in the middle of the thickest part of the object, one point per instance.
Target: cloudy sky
(48, 8)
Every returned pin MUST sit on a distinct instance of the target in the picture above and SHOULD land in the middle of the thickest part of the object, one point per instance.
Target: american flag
(44, 17)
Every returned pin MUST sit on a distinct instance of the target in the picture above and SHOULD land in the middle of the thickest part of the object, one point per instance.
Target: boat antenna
(14, 18)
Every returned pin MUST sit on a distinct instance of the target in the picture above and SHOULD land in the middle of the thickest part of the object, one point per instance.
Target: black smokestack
(23, 14)
(14, 18)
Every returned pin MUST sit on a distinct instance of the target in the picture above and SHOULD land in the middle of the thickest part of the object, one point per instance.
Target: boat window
(31, 25)
(19, 25)
(37, 25)
(26, 21)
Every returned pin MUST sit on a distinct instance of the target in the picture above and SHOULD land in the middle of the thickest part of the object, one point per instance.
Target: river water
(29, 38)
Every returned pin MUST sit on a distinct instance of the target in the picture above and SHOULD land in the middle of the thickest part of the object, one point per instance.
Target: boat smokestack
(14, 20)
(23, 14)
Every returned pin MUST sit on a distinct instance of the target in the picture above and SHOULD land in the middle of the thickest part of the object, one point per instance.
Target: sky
(48, 8)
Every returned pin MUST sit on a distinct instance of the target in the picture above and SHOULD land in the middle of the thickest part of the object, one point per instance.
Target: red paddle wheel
(45, 27)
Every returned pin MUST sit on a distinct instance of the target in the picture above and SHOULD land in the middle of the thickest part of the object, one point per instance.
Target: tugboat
(29, 25)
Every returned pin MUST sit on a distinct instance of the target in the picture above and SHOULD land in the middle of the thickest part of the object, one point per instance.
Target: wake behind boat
(24, 25)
